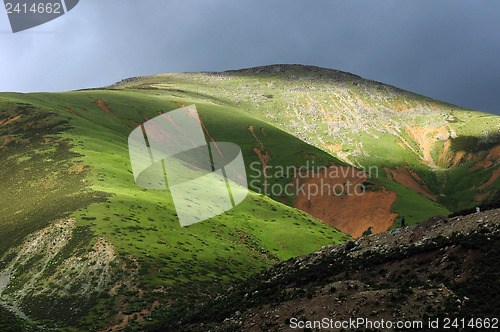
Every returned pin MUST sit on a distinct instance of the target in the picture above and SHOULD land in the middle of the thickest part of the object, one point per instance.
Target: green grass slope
(66, 157)
(364, 123)
(82, 245)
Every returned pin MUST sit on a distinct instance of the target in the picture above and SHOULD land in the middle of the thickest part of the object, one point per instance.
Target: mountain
(83, 246)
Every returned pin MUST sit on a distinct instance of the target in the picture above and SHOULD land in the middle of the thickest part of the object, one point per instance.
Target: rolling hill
(83, 246)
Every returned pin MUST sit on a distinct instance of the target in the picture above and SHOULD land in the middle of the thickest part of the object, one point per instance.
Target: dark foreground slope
(439, 268)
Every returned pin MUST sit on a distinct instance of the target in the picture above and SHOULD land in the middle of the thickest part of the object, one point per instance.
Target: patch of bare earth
(70, 111)
(8, 120)
(491, 180)
(7, 140)
(481, 164)
(494, 153)
(102, 105)
(262, 153)
(346, 209)
(426, 139)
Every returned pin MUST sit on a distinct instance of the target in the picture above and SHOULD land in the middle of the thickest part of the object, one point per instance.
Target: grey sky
(448, 50)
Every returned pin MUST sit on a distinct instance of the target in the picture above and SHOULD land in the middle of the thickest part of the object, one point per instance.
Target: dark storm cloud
(448, 50)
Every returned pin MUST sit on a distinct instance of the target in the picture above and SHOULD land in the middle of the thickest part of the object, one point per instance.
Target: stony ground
(443, 267)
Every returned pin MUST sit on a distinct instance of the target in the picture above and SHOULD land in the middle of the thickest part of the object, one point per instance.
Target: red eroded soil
(445, 157)
(5, 122)
(426, 139)
(211, 138)
(483, 196)
(102, 105)
(351, 213)
(144, 116)
(7, 140)
(261, 146)
(458, 157)
(180, 104)
(264, 156)
(137, 124)
(70, 110)
(481, 164)
(494, 176)
(409, 179)
(494, 153)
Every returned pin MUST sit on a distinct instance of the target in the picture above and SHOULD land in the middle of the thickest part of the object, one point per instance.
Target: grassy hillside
(83, 245)
(70, 197)
(423, 144)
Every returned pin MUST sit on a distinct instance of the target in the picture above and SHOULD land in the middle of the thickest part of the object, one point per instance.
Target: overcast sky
(449, 50)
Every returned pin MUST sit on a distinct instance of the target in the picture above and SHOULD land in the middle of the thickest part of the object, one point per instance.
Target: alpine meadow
(83, 248)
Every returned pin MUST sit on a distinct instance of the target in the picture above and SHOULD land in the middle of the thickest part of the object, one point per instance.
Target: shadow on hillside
(475, 144)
